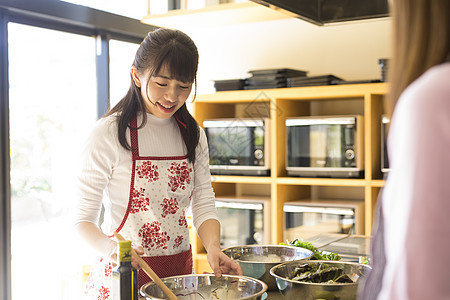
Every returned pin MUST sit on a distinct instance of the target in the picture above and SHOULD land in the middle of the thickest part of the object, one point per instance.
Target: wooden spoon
(149, 270)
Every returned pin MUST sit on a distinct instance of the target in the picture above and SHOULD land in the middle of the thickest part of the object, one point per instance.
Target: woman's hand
(134, 261)
(221, 264)
(139, 251)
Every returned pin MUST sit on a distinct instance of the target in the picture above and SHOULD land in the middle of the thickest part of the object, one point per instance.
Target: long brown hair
(178, 51)
(421, 39)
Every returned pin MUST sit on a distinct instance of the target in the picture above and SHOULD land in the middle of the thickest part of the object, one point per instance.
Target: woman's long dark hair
(178, 52)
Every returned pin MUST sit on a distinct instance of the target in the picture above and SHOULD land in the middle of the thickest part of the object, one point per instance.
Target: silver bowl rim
(272, 271)
(268, 246)
(260, 293)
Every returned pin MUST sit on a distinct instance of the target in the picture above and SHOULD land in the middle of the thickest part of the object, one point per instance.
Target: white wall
(348, 50)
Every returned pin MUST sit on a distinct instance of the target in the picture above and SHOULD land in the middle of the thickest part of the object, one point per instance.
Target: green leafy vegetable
(321, 273)
(317, 254)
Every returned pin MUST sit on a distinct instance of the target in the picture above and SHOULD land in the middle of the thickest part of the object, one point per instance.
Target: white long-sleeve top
(416, 197)
(105, 173)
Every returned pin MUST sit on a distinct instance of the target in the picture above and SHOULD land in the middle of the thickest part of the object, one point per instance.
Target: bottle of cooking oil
(124, 276)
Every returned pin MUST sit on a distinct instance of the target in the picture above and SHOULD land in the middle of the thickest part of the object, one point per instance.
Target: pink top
(416, 198)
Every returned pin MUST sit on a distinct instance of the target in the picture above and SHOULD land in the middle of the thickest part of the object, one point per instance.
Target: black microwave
(325, 146)
(244, 221)
(238, 146)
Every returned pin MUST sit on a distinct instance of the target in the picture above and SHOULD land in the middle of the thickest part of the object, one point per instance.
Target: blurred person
(412, 230)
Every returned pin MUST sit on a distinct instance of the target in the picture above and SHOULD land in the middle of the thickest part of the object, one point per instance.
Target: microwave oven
(308, 218)
(238, 146)
(328, 146)
(384, 154)
(243, 221)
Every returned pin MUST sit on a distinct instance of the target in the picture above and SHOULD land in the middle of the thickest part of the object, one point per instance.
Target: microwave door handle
(320, 210)
(251, 231)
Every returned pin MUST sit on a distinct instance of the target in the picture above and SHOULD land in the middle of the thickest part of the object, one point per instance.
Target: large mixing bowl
(257, 260)
(292, 289)
(207, 286)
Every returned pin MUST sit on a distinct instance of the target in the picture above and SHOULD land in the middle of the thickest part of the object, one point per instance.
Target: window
(121, 56)
(53, 102)
(56, 81)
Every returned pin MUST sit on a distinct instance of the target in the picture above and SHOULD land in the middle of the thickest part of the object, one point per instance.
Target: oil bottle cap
(125, 245)
(124, 251)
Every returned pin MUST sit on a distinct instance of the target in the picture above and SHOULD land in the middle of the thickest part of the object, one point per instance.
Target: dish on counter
(207, 286)
(257, 260)
(290, 286)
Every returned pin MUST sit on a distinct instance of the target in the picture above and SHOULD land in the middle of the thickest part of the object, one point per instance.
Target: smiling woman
(149, 157)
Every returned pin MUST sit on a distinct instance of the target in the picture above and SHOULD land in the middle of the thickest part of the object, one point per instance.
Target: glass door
(52, 107)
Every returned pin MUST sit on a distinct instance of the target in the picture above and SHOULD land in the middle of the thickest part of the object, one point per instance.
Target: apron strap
(134, 137)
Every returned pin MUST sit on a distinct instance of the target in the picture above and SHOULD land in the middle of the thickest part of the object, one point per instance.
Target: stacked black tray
(272, 78)
(314, 80)
(229, 84)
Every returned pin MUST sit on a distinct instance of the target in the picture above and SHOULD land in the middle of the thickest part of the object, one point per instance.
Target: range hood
(321, 12)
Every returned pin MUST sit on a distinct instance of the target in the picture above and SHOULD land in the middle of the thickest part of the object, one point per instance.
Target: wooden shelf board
(344, 91)
(240, 179)
(233, 97)
(321, 181)
(216, 15)
(243, 197)
(378, 183)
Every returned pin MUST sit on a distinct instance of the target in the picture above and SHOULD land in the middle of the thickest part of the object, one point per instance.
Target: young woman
(150, 159)
(413, 226)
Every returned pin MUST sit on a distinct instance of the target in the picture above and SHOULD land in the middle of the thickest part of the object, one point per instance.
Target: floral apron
(160, 194)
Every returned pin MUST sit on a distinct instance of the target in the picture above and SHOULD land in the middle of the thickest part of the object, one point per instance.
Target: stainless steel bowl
(207, 286)
(292, 289)
(257, 260)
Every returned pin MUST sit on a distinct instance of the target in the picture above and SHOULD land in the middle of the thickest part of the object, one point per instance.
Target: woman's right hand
(139, 251)
(134, 261)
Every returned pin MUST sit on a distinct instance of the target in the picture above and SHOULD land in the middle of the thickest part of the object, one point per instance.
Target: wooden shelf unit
(363, 99)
